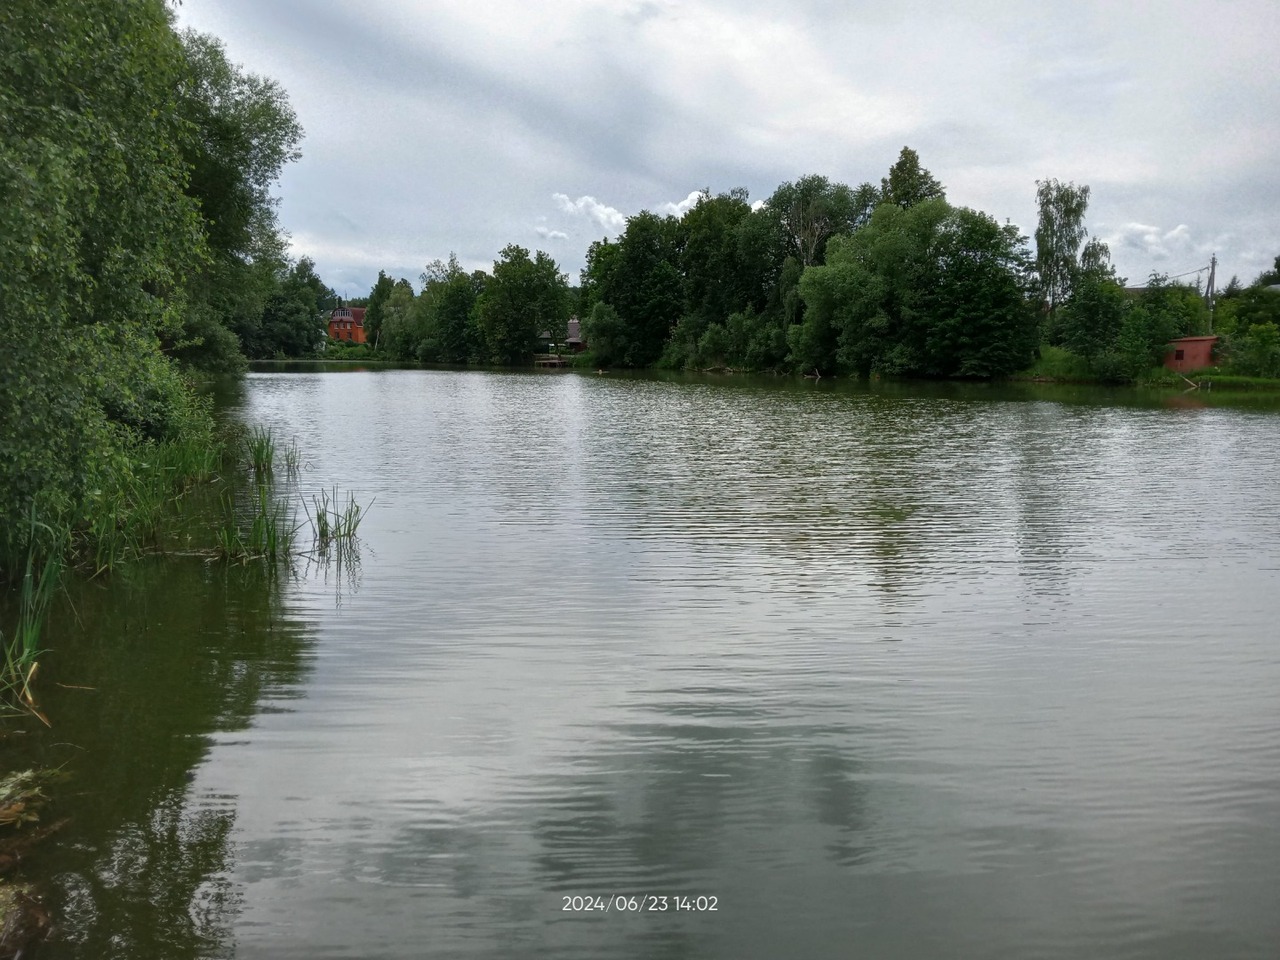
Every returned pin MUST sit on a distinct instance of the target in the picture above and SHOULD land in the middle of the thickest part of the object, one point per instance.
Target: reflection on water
(146, 667)
(967, 672)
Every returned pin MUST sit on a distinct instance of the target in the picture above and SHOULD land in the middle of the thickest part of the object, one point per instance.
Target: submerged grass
(292, 460)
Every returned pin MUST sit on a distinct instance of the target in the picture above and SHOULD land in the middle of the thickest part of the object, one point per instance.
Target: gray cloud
(435, 127)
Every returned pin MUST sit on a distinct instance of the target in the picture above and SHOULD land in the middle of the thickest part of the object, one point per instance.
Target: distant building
(347, 323)
(572, 341)
(1190, 353)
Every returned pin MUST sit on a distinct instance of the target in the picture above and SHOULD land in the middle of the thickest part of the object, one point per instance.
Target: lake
(638, 667)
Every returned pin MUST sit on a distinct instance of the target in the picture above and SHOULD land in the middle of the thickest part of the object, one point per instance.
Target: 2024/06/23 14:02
(647, 903)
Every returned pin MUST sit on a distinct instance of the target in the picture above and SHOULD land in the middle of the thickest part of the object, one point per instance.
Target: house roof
(345, 313)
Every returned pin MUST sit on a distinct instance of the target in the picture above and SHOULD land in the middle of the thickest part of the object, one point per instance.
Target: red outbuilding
(1190, 353)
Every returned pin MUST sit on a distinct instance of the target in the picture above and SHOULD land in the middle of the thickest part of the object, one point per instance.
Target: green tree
(97, 238)
(1091, 322)
(927, 290)
(382, 288)
(607, 335)
(715, 281)
(239, 132)
(524, 297)
(400, 334)
(1060, 231)
(1257, 353)
(643, 284)
(595, 280)
(449, 296)
(812, 210)
(909, 183)
(295, 316)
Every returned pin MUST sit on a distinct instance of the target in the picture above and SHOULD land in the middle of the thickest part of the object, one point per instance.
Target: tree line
(824, 279)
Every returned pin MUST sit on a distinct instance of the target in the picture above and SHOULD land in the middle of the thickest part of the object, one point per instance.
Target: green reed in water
(266, 530)
(39, 583)
(261, 446)
(333, 522)
(292, 459)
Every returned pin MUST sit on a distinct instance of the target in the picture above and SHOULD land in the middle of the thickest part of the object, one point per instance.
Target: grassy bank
(228, 496)
(1056, 365)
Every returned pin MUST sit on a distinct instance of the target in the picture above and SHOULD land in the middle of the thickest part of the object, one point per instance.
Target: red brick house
(347, 323)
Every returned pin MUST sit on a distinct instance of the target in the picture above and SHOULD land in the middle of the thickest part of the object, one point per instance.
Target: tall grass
(40, 580)
(264, 531)
(261, 446)
(334, 523)
(292, 459)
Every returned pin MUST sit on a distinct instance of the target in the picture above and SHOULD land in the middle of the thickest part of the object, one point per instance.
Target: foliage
(238, 132)
(1090, 323)
(447, 307)
(294, 317)
(928, 290)
(812, 210)
(607, 334)
(1060, 232)
(400, 334)
(716, 279)
(524, 297)
(96, 236)
(1057, 363)
(377, 300)
(1257, 353)
(909, 183)
(639, 277)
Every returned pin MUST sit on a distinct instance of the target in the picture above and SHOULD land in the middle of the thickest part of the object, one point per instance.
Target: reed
(334, 523)
(40, 581)
(265, 531)
(292, 459)
(261, 446)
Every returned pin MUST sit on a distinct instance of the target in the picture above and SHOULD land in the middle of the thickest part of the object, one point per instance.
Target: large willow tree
(97, 238)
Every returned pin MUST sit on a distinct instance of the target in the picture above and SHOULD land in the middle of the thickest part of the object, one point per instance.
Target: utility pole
(1210, 294)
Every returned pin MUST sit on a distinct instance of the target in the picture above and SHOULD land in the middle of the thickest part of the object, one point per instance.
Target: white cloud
(608, 217)
(679, 208)
(548, 234)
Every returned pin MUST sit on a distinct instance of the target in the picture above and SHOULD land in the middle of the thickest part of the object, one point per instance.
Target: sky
(442, 127)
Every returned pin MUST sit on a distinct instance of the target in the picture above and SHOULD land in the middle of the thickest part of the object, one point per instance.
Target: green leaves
(928, 290)
(1059, 234)
(99, 239)
(524, 297)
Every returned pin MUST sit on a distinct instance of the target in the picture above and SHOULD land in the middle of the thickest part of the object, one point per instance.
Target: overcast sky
(434, 127)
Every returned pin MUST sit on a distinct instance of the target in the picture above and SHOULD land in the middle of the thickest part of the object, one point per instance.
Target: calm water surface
(896, 673)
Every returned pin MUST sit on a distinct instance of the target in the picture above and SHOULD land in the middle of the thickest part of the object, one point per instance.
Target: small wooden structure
(1190, 353)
